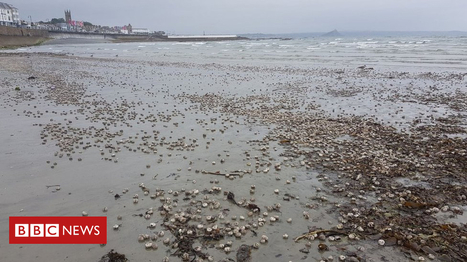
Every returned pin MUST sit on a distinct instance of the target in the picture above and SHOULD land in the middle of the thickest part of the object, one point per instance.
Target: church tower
(67, 16)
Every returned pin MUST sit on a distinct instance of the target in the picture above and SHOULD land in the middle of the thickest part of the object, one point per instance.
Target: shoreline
(17, 40)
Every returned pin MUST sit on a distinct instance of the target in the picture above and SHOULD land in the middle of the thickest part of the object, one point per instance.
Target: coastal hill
(333, 33)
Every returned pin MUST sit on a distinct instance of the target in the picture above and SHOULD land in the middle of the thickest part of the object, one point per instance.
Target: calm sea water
(440, 52)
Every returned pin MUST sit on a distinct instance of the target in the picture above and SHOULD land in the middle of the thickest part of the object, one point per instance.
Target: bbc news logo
(36, 230)
(58, 230)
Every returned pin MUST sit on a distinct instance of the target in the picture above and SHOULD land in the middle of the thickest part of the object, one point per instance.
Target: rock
(244, 253)
(333, 33)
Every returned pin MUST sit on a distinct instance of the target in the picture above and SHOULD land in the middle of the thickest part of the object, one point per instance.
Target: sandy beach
(190, 159)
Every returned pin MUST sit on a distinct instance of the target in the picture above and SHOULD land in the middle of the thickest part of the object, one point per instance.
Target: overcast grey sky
(257, 16)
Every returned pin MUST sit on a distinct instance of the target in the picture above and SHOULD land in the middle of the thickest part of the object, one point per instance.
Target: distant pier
(141, 38)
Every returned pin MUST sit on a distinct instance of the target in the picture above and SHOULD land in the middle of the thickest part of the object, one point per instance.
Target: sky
(257, 16)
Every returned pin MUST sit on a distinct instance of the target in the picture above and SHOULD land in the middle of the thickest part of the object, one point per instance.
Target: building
(140, 31)
(130, 29)
(63, 26)
(9, 15)
(67, 16)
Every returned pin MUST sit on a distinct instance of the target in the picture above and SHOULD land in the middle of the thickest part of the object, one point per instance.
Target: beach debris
(323, 247)
(113, 256)
(326, 233)
(380, 182)
(244, 253)
(231, 198)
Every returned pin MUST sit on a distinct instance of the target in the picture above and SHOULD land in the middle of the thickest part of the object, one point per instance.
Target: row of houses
(9, 15)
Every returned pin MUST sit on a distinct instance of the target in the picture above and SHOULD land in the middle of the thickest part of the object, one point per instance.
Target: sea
(434, 51)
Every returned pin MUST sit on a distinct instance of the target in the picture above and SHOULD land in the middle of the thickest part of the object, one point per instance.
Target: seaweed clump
(113, 256)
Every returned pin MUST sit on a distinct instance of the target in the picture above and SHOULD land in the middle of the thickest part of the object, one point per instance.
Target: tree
(87, 23)
(57, 20)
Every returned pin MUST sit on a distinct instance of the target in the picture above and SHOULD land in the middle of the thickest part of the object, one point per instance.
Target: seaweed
(113, 256)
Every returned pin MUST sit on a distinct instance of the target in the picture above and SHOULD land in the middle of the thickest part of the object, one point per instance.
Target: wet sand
(359, 156)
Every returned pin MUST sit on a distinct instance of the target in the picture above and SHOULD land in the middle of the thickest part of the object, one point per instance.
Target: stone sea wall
(15, 36)
(18, 41)
(16, 31)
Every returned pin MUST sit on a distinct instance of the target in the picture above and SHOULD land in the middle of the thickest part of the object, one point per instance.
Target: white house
(140, 31)
(9, 15)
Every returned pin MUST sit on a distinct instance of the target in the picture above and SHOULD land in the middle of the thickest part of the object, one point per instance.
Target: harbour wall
(136, 38)
(16, 37)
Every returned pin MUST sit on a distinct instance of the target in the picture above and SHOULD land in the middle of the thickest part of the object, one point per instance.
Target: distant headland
(333, 33)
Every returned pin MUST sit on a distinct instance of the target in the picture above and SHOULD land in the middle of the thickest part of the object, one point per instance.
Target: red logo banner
(58, 230)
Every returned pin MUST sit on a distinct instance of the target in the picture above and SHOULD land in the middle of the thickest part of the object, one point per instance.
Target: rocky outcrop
(333, 33)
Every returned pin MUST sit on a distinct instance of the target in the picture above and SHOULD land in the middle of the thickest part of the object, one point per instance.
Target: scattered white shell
(285, 236)
(115, 227)
(381, 242)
